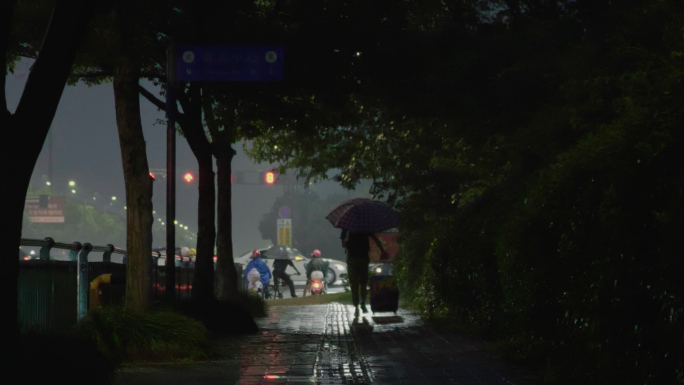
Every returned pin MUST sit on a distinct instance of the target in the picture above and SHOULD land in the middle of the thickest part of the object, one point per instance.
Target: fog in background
(85, 149)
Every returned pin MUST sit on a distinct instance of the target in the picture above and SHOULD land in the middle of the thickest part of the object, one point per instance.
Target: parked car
(336, 273)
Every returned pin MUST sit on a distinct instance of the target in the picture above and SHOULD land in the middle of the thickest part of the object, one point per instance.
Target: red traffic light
(269, 177)
(188, 177)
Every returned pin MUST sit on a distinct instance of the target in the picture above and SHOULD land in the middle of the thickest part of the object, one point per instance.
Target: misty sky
(85, 149)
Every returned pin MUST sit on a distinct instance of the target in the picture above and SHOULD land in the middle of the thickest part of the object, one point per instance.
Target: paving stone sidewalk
(325, 344)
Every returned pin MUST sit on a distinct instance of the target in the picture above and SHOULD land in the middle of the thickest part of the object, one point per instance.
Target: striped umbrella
(361, 215)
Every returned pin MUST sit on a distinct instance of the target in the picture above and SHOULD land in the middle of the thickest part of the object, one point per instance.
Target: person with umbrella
(280, 264)
(357, 247)
(359, 220)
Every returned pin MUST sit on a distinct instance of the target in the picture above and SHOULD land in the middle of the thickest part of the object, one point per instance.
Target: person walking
(279, 267)
(357, 247)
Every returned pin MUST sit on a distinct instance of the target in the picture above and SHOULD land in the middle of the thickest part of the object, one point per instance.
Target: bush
(159, 335)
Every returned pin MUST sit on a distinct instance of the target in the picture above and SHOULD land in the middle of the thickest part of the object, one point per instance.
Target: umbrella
(361, 215)
(280, 252)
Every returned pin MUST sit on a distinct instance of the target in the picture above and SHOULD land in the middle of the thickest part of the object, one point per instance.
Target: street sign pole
(170, 268)
(207, 63)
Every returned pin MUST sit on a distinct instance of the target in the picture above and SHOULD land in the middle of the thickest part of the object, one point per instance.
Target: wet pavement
(325, 344)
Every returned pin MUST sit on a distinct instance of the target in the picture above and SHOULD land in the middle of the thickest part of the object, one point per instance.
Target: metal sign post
(207, 63)
(170, 268)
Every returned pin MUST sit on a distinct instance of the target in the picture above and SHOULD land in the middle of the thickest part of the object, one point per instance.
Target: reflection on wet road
(325, 344)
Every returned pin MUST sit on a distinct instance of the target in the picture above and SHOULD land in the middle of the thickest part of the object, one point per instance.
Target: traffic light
(270, 177)
(188, 177)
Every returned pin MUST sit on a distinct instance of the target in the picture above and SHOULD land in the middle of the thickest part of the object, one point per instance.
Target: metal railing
(54, 289)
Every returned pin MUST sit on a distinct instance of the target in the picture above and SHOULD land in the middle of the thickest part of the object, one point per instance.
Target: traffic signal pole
(170, 267)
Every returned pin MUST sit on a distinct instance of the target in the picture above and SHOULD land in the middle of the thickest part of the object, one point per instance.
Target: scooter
(255, 286)
(317, 284)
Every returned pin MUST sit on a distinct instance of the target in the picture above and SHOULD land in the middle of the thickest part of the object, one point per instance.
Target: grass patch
(160, 335)
(344, 298)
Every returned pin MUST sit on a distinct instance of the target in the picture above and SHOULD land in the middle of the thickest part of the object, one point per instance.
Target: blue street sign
(230, 63)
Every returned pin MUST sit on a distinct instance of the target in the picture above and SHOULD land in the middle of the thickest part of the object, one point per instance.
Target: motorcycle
(255, 286)
(317, 283)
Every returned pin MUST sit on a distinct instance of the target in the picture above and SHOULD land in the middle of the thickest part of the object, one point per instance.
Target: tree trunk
(193, 129)
(24, 132)
(203, 284)
(191, 124)
(227, 285)
(136, 171)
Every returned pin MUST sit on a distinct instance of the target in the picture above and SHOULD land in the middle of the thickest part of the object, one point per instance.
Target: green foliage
(124, 335)
(545, 211)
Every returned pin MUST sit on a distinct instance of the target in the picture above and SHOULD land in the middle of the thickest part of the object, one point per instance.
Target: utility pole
(170, 268)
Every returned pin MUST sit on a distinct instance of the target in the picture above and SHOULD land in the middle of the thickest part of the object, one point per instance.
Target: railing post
(82, 280)
(73, 253)
(45, 250)
(107, 256)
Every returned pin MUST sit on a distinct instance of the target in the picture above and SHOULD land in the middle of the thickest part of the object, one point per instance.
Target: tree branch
(177, 115)
(151, 98)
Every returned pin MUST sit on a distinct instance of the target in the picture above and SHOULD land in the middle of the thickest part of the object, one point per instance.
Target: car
(335, 275)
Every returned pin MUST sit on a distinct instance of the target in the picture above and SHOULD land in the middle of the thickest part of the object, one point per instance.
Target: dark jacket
(317, 264)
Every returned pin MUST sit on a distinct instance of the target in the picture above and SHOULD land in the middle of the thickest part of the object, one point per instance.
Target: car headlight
(340, 267)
